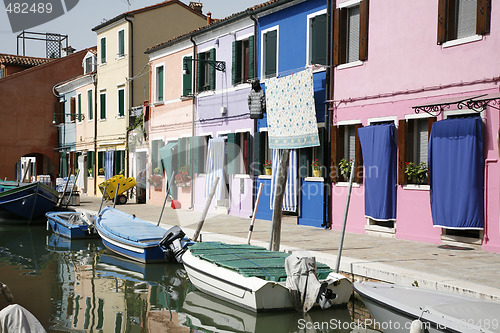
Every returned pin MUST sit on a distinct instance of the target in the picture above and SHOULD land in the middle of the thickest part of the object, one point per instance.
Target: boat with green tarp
(251, 276)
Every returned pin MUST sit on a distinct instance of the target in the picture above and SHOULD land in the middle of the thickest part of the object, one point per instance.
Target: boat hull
(116, 230)
(58, 222)
(395, 307)
(252, 293)
(30, 201)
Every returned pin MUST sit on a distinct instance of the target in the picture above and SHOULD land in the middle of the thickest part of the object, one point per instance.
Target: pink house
(412, 67)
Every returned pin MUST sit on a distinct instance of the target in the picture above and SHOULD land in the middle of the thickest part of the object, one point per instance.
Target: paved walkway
(473, 272)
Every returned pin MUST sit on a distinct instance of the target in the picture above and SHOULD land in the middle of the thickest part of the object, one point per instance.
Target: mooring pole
(339, 254)
(169, 183)
(252, 223)
(274, 244)
(205, 210)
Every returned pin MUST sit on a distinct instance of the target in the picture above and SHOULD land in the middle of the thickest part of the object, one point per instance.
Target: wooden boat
(438, 311)
(29, 201)
(137, 239)
(250, 276)
(72, 224)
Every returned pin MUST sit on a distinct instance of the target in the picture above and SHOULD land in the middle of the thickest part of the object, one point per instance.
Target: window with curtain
(90, 104)
(243, 60)
(270, 53)
(238, 153)
(350, 33)
(121, 43)
(459, 19)
(318, 39)
(121, 102)
(159, 80)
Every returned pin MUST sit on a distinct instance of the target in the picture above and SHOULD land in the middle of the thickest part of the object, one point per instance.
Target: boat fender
(417, 326)
(6, 293)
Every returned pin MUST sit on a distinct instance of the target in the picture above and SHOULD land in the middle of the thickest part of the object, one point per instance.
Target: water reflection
(77, 285)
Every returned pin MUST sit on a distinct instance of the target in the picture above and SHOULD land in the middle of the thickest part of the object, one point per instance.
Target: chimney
(209, 18)
(69, 50)
(196, 6)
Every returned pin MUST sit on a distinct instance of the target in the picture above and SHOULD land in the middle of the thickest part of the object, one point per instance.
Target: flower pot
(268, 171)
(317, 173)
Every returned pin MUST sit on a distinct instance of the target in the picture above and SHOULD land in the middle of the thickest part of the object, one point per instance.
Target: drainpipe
(485, 230)
(131, 95)
(194, 91)
(327, 203)
(255, 33)
(95, 134)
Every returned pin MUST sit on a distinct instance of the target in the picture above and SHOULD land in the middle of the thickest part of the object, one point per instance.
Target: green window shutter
(319, 41)
(103, 50)
(236, 62)
(305, 160)
(103, 106)
(119, 162)
(200, 73)
(211, 70)
(121, 43)
(121, 102)
(79, 108)
(198, 153)
(90, 105)
(63, 165)
(187, 79)
(159, 84)
(233, 151)
(259, 149)
(156, 145)
(251, 57)
(270, 40)
(182, 153)
(90, 161)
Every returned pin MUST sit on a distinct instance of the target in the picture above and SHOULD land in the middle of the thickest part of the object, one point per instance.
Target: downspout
(95, 134)
(131, 95)
(254, 174)
(328, 198)
(194, 91)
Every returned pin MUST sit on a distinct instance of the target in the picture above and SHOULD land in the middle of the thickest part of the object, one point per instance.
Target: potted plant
(101, 172)
(268, 167)
(156, 179)
(90, 172)
(345, 168)
(182, 179)
(316, 168)
(416, 173)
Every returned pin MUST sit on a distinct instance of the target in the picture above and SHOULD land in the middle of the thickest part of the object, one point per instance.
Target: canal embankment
(464, 270)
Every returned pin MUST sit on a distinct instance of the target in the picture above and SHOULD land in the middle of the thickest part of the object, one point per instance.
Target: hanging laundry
(291, 113)
(290, 197)
(257, 101)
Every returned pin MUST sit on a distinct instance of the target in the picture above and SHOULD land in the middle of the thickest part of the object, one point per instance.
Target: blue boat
(139, 240)
(29, 201)
(72, 224)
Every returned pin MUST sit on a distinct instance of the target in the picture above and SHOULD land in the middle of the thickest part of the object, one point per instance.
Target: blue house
(292, 38)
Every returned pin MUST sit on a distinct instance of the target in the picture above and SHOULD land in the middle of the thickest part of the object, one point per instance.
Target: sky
(78, 22)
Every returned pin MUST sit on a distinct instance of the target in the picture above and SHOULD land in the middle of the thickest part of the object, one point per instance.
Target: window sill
(102, 119)
(120, 57)
(265, 177)
(346, 184)
(317, 68)
(314, 179)
(461, 41)
(158, 103)
(120, 117)
(350, 64)
(102, 63)
(241, 176)
(186, 98)
(417, 187)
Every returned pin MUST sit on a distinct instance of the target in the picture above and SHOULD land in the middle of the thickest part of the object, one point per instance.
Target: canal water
(78, 285)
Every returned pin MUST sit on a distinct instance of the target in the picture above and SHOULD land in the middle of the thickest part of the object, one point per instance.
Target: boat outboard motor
(171, 243)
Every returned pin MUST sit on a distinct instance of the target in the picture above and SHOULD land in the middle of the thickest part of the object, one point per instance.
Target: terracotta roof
(216, 22)
(145, 9)
(15, 60)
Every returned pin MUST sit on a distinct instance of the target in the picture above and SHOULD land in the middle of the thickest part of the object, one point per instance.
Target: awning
(437, 107)
(479, 104)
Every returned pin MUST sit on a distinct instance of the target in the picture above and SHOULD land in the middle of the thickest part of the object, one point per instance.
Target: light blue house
(292, 38)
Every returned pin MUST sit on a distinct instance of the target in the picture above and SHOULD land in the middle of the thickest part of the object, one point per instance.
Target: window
(121, 102)
(121, 43)
(413, 143)
(103, 50)
(187, 76)
(458, 19)
(79, 107)
(345, 145)
(270, 53)
(350, 33)
(156, 165)
(262, 152)
(100, 162)
(238, 153)
(72, 114)
(90, 163)
(206, 72)
(103, 105)
(2, 72)
(317, 42)
(119, 162)
(243, 60)
(90, 105)
(89, 64)
(159, 84)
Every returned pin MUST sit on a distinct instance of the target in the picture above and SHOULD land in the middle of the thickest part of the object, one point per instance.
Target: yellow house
(122, 74)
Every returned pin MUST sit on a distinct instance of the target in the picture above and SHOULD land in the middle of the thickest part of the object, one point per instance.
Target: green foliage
(345, 167)
(416, 173)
